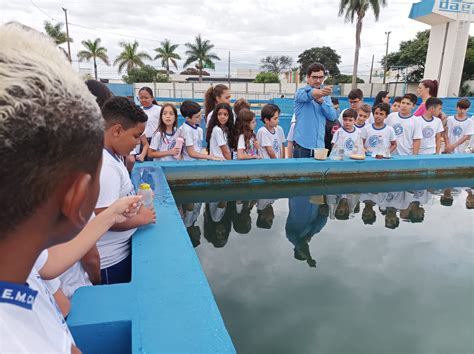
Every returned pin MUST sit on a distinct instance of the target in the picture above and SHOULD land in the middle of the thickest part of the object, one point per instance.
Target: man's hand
(327, 90)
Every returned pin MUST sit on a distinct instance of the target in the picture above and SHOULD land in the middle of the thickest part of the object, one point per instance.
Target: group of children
(385, 129)
(395, 130)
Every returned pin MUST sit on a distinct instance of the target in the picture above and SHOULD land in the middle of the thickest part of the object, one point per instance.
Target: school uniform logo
(428, 132)
(276, 146)
(398, 129)
(373, 140)
(457, 131)
(349, 144)
(172, 144)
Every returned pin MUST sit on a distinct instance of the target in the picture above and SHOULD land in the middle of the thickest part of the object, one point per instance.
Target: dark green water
(364, 273)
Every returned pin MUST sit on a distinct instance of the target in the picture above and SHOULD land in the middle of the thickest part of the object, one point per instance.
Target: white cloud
(248, 29)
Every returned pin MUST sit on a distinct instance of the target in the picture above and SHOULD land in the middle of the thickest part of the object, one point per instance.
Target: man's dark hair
(268, 111)
(433, 102)
(349, 113)
(120, 110)
(463, 103)
(412, 97)
(189, 108)
(383, 107)
(314, 68)
(50, 126)
(356, 94)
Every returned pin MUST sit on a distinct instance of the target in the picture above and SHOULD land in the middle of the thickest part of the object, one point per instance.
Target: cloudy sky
(249, 29)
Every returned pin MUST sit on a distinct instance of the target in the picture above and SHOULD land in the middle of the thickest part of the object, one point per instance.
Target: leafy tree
(267, 78)
(358, 8)
(276, 64)
(468, 70)
(146, 73)
(93, 51)
(199, 52)
(324, 55)
(56, 32)
(129, 57)
(167, 53)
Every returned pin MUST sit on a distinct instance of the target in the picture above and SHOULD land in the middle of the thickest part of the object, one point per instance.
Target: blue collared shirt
(311, 118)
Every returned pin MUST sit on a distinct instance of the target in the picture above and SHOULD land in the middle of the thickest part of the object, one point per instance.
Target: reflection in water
(385, 261)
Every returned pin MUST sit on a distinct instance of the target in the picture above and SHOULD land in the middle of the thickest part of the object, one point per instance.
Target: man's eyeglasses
(354, 101)
(317, 77)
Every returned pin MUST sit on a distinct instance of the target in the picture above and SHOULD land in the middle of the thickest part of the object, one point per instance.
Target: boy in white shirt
(192, 133)
(124, 125)
(271, 137)
(348, 135)
(431, 127)
(459, 129)
(363, 114)
(379, 132)
(356, 100)
(407, 128)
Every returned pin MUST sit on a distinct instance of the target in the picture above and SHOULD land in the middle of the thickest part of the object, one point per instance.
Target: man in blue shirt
(313, 107)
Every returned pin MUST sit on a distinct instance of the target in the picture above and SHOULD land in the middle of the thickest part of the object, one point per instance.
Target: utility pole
(67, 34)
(371, 69)
(228, 71)
(386, 53)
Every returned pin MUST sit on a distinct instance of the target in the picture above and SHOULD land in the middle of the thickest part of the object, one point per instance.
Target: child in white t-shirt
(431, 127)
(363, 114)
(407, 128)
(163, 143)
(245, 141)
(213, 96)
(192, 133)
(379, 132)
(220, 131)
(459, 129)
(152, 110)
(271, 137)
(347, 136)
(124, 124)
(290, 137)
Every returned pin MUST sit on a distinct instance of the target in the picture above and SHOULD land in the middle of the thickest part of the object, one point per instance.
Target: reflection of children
(392, 221)
(265, 213)
(416, 213)
(368, 213)
(469, 199)
(190, 215)
(217, 223)
(241, 220)
(447, 198)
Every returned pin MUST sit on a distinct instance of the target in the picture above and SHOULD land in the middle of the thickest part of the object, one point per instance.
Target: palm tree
(94, 51)
(129, 56)
(56, 32)
(199, 52)
(359, 8)
(166, 54)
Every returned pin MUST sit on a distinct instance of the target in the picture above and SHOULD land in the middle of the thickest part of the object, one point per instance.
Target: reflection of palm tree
(303, 222)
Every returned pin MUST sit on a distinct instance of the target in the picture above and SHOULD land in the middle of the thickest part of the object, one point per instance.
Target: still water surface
(364, 273)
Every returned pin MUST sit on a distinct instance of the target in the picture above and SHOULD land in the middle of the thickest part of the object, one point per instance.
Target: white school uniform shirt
(361, 128)
(30, 320)
(406, 130)
(371, 134)
(458, 129)
(190, 217)
(115, 183)
(429, 129)
(73, 279)
(346, 138)
(275, 140)
(164, 142)
(251, 151)
(218, 139)
(153, 113)
(192, 137)
(291, 132)
(217, 213)
(370, 120)
(395, 200)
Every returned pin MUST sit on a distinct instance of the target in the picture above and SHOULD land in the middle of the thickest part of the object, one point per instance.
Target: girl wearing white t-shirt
(213, 96)
(163, 143)
(152, 110)
(220, 131)
(246, 142)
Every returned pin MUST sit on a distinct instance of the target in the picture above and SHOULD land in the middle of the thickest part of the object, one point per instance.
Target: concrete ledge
(199, 174)
(167, 308)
